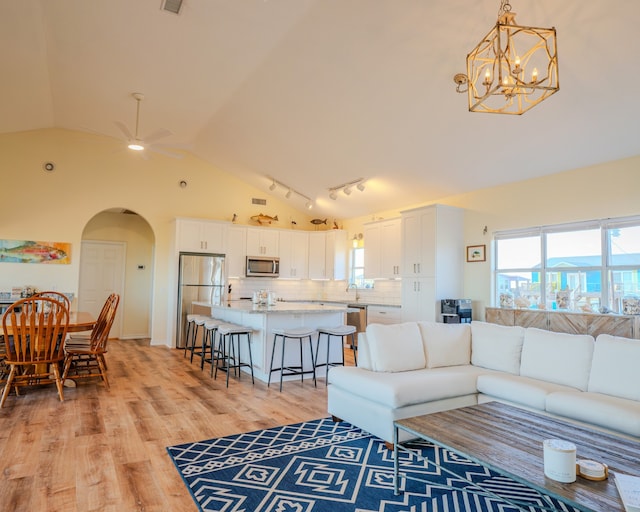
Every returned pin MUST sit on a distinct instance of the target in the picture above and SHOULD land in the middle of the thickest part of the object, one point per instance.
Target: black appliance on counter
(456, 311)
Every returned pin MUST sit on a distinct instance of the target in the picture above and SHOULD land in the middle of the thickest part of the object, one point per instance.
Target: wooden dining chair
(34, 331)
(84, 358)
(57, 296)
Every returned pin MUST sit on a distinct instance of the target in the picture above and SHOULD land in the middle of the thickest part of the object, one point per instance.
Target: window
(586, 267)
(357, 269)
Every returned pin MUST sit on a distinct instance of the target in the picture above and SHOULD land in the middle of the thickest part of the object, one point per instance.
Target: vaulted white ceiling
(316, 93)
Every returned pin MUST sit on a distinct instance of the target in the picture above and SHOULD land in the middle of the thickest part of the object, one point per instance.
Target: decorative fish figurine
(264, 219)
(317, 222)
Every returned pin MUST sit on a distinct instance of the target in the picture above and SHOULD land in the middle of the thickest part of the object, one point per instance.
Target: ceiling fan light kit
(137, 143)
(512, 69)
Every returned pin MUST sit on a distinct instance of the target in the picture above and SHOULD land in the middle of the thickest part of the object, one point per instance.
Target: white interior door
(101, 273)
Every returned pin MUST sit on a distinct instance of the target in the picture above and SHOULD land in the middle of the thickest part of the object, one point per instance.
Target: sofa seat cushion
(517, 389)
(599, 409)
(615, 367)
(400, 389)
(557, 357)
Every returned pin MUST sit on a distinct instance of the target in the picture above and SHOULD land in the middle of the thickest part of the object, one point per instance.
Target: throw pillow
(446, 344)
(496, 347)
(614, 370)
(557, 357)
(395, 348)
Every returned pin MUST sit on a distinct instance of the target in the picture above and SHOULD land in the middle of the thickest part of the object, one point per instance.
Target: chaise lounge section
(417, 368)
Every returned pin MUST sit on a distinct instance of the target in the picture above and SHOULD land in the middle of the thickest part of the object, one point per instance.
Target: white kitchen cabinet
(432, 259)
(294, 254)
(382, 254)
(195, 235)
(384, 315)
(262, 242)
(236, 259)
(328, 255)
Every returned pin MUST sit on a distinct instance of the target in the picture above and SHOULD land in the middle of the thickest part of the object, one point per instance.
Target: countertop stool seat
(209, 342)
(229, 352)
(194, 322)
(297, 335)
(338, 332)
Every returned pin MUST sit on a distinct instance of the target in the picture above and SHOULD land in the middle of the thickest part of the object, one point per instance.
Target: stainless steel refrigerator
(200, 279)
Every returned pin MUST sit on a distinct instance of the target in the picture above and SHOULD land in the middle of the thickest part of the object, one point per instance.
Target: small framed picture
(476, 253)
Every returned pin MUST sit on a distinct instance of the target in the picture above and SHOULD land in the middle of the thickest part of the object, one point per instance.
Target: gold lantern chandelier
(512, 69)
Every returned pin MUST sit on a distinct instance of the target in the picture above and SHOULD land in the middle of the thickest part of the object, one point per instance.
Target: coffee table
(509, 440)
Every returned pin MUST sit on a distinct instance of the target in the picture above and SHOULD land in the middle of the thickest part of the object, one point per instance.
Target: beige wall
(92, 175)
(596, 192)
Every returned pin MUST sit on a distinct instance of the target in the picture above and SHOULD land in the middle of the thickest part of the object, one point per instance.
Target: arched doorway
(112, 235)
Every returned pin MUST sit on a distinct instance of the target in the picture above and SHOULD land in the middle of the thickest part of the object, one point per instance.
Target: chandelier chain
(505, 7)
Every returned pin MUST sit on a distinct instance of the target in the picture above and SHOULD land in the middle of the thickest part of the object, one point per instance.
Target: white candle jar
(559, 460)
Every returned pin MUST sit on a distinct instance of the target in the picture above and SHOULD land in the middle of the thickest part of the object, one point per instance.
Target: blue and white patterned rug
(323, 466)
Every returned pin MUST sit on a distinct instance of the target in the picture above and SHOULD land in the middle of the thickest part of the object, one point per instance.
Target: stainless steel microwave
(260, 266)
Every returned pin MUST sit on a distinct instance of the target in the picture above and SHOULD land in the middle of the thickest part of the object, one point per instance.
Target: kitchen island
(282, 315)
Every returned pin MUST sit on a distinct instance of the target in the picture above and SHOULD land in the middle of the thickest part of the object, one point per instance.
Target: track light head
(309, 205)
(333, 195)
(272, 187)
(347, 191)
(288, 194)
(360, 187)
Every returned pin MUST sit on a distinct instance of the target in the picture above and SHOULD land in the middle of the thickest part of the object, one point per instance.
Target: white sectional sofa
(416, 368)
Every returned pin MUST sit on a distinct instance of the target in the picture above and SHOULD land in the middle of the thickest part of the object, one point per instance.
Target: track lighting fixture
(347, 188)
(275, 183)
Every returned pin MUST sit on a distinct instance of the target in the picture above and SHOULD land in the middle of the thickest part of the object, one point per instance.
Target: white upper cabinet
(328, 254)
(382, 249)
(294, 254)
(194, 235)
(262, 242)
(236, 251)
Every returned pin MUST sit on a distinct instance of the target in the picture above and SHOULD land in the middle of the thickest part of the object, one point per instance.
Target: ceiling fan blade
(179, 145)
(164, 152)
(157, 135)
(124, 130)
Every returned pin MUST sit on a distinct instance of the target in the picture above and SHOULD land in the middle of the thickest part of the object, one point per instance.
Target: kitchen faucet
(354, 285)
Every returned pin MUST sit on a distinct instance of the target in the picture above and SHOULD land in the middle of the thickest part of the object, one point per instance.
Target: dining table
(79, 321)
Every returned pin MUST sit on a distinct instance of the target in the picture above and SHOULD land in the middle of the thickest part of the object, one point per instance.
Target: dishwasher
(357, 316)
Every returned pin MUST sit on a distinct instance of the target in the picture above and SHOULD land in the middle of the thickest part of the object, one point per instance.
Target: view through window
(588, 267)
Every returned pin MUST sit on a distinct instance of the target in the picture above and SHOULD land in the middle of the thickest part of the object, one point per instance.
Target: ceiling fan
(137, 143)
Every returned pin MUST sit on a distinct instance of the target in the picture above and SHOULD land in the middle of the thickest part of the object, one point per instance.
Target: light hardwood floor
(106, 450)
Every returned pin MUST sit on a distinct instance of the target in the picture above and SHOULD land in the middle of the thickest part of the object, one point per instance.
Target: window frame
(606, 268)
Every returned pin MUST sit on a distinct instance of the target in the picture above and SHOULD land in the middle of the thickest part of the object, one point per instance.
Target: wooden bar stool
(297, 335)
(339, 332)
(228, 344)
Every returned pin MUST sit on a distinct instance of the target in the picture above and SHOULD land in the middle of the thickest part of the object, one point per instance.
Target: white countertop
(246, 306)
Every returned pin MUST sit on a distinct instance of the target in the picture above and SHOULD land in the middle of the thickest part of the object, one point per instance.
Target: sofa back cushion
(615, 369)
(395, 348)
(557, 357)
(446, 344)
(496, 347)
